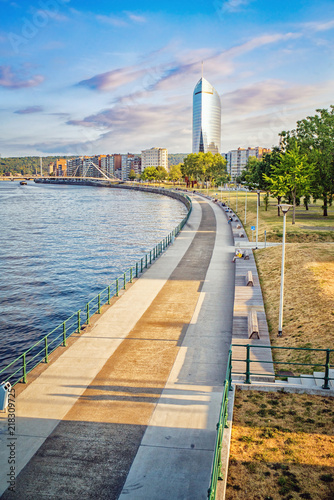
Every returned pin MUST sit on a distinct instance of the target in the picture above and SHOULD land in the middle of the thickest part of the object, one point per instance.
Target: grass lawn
(282, 447)
(308, 311)
(310, 224)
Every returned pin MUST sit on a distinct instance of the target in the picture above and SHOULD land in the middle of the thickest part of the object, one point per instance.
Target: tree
(149, 174)
(315, 136)
(204, 167)
(175, 173)
(293, 176)
(217, 170)
(132, 175)
(161, 174)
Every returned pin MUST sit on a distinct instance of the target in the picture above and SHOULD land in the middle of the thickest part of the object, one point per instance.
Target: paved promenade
(130, 409)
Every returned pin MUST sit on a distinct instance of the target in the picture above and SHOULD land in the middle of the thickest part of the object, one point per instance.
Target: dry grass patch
(308, 300)
(282, 447)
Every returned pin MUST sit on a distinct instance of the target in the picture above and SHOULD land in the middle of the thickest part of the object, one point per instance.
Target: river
(60, 245)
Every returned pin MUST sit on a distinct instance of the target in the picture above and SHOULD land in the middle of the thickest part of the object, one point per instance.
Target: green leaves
(205, 167)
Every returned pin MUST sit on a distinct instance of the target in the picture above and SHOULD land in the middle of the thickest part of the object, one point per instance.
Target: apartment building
(154, 157)
(237, 159)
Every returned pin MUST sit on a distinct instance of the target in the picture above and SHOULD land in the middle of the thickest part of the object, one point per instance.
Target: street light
(285, 208)
(257, 217)
(246, 208)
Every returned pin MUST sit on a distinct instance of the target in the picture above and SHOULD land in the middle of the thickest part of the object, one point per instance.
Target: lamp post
(257, 217)
(246, 208)
(285, 208)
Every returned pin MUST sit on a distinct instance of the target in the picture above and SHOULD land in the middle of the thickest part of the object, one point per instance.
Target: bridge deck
(130, 409)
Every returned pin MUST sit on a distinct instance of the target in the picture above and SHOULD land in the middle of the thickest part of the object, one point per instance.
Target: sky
(79, 77)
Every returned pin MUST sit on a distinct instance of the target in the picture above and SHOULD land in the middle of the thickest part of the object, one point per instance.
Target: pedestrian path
(248, 298)
(130, 409)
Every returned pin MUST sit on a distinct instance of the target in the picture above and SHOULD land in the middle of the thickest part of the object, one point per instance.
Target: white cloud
(319, 25)
(234, 5)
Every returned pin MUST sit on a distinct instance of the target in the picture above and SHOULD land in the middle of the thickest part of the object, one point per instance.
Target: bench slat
(253, 327)
(249, 279)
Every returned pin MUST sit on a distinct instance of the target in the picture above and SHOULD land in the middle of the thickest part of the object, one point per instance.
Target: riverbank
(155, 362)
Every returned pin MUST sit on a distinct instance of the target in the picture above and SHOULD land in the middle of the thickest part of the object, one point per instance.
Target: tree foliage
(315, 137)
(203, 167)
(291, 177)
(175, 173)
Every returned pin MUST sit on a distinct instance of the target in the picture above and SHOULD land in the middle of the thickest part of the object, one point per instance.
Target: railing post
(87, 313)
(220, 444)
(99, 303)
(46, 349)
(230, 371)
(116, 287)
(150, 257)
(124, 281)
(136, 269)
(326, 379)
(145, 261)
(247, 381)
(64, 333)
(24, 367)
(79, 321)
(141, 265)
(108, 294)
(130, 274)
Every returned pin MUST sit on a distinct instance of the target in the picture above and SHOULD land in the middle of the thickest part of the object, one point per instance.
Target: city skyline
(78, 78)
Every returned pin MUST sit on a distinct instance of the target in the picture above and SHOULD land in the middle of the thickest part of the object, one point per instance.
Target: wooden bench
(253, 326)
(249, 279)
(246, 255)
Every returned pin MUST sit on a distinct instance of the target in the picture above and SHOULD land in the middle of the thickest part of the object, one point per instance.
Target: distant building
(154, 157)
(112, 165)
(135, 165)
(206, 118)
(237, 159)
(60, 168)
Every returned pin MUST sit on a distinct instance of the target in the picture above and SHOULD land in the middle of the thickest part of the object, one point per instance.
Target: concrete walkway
(136, 398)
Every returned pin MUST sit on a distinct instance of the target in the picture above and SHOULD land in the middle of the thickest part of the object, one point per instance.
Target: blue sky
(84, 77)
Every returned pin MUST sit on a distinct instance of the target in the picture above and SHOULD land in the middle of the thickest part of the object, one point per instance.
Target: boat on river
(23, 183)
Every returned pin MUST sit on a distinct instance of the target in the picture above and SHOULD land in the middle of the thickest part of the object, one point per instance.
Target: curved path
(130, 409)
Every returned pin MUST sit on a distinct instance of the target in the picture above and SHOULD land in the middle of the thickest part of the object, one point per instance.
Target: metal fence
(216, 472)
(39, 352)
(305, 358)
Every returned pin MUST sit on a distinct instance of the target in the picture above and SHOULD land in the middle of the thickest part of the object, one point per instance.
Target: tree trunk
(294, 208)
(325, 214)
(278, 205)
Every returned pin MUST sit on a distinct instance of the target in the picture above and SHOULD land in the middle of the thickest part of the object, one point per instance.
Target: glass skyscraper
(206, 118)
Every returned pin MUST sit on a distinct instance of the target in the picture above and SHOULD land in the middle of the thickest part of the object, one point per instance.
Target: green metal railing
(326, 365)
(216, 472)
(17, 370)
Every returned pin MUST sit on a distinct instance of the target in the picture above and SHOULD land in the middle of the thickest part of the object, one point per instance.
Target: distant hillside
(26, 165)
(175, 159)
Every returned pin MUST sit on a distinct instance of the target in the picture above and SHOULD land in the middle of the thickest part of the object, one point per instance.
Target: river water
(61, 245)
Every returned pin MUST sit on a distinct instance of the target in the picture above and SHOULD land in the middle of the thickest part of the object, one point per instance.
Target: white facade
(154, 157)
(237, 159)
(206, 118)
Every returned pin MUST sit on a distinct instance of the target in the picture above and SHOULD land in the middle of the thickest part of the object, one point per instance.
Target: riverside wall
(180, 196)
